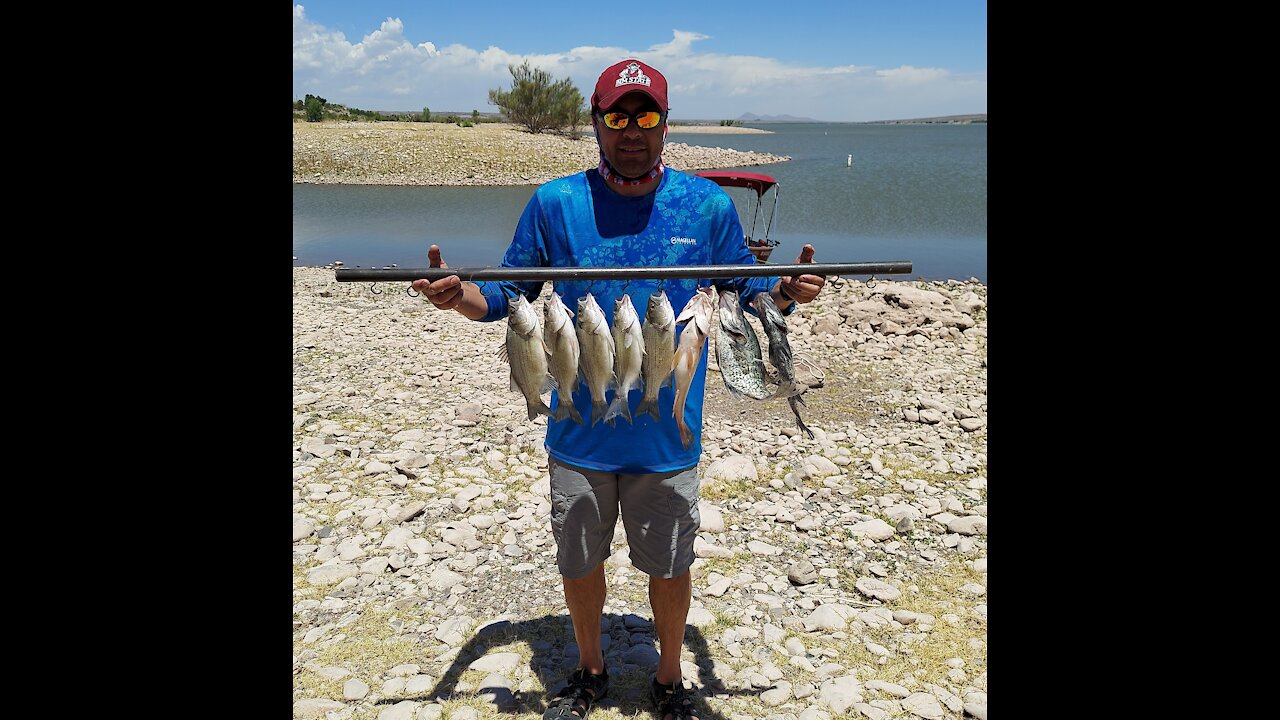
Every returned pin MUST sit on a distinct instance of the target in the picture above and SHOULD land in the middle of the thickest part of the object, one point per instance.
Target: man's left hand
(803, 288)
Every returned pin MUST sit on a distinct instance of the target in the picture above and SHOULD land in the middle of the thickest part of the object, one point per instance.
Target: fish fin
(704, 323)
(618, 408)
(599, 409)
(649, 406)
(548, 383)
(567, 410)
(787, 389)
(796, 412)
(686, 437)
(538, 408)
(502, 352)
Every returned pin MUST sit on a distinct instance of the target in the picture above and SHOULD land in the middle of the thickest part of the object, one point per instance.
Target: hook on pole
(373, 288)
(410, 292)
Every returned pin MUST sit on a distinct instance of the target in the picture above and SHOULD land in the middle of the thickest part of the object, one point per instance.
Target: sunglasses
(647, 119)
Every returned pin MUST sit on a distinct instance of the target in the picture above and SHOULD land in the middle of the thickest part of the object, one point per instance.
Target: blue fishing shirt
(576, 221)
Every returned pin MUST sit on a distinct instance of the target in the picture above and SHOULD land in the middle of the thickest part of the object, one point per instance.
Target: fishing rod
(526, 274)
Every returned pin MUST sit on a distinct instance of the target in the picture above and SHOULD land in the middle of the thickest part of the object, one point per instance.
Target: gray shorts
(659, 512)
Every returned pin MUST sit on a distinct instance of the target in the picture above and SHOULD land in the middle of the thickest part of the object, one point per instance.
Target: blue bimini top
(576, 221)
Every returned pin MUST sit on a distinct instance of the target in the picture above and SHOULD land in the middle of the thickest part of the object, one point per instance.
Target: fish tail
(799, 423)
(537, 408)
(618, 408)
(566, 410)
(599, 409)
(649, 405)
(686, 436)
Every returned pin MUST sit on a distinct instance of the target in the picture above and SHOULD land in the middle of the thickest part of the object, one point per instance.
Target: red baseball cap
(625, 77)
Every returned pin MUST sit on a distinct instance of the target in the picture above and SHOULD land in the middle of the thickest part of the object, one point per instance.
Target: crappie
(628, 345)
(738, 351)
(561, 342)
(524, 351)
(659, 332)
(775, 329)
(595, 358)
(697, 313)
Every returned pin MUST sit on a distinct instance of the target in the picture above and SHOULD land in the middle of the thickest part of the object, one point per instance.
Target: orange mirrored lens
(619, 120)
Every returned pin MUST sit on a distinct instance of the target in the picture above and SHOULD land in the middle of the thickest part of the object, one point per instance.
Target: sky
(832, 61)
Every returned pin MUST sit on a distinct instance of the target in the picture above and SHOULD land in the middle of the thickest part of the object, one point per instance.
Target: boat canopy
(754, 181)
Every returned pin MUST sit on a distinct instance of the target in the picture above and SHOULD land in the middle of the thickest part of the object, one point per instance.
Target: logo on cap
(633, 75)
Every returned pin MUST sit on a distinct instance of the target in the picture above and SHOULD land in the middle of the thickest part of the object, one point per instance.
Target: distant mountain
(752, 117)
(942, 120)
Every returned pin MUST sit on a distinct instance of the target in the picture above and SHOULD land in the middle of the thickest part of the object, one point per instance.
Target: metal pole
(526, 274)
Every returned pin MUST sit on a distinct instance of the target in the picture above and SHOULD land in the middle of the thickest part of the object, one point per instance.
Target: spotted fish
(775, 329)
(738, 351)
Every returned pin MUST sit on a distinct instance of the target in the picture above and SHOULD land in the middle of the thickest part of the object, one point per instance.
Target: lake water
(913, 192)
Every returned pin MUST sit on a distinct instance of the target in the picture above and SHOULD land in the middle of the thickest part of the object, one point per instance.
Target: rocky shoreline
(837, 577)
(405, 153)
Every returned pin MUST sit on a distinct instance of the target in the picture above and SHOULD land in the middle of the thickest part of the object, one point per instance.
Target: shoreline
(438, 154)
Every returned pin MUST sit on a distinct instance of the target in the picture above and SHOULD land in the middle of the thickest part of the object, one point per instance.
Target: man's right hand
(445, 293)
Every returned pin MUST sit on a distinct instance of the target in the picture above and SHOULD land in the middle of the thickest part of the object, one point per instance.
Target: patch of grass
(303, 590)
(727, 567)
(926, 659)
(371, 648)
(736, 489)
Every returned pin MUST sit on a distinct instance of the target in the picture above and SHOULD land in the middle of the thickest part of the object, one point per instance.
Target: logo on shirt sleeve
(683, 241)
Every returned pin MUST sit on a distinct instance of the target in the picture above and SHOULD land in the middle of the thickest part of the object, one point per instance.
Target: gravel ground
(837, 577)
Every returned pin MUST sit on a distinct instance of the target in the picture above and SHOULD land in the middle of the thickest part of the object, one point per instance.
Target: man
(631, 210)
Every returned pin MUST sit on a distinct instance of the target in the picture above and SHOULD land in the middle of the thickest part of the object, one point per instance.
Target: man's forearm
(473, 304)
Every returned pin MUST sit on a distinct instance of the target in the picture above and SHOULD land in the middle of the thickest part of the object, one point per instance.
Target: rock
(876, 529)
(315, 707)
(354, 690)
(968, 525)
(733, 468)
(877, 589)
(841, 693)
(924, 705)
(802, 573)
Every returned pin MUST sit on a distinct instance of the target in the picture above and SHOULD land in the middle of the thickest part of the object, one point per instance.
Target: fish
(738, 351)
(659, 333)
(561, 342)
(775, 329)
(524, 351)
(697, 313)
(628, 344)
(595, 358)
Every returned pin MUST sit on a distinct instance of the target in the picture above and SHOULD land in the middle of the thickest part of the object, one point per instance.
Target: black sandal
(672, 700)
(578, 696)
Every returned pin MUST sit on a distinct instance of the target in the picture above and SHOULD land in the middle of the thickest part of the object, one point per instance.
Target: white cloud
(907, 75)
(385, 71)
